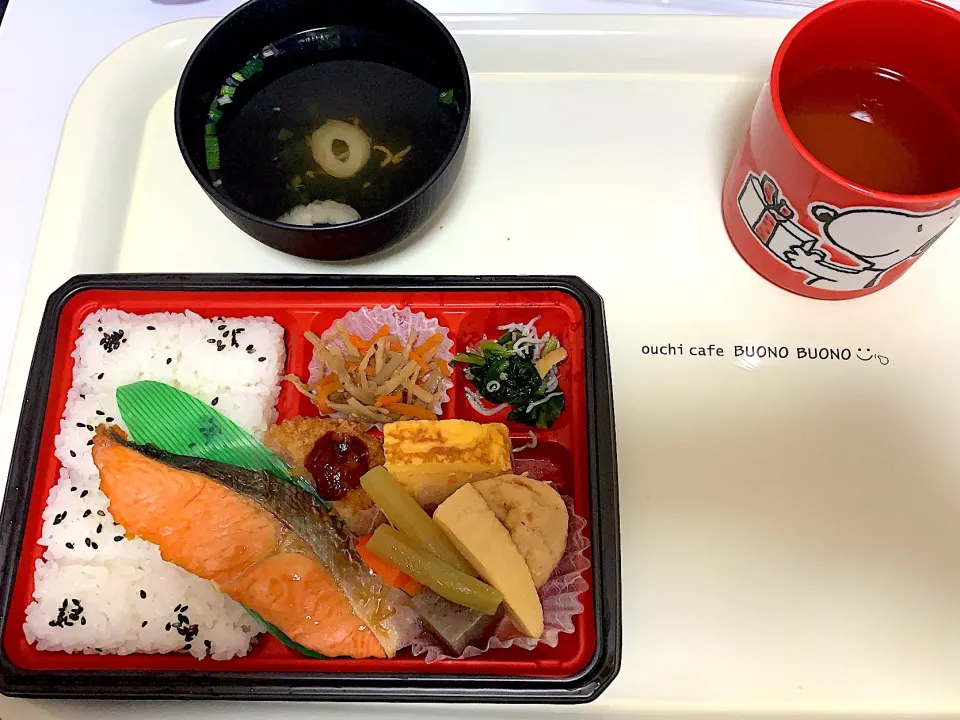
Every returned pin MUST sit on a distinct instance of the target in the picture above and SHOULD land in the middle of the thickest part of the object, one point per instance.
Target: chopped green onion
(215, 114)
(469, 359)
(447, 97)
(213, 152)
(284, 135)
(211, 129)
(227, 90)
(494, 348)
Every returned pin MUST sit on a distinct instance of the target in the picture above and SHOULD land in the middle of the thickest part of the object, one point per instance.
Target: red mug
(844, 211)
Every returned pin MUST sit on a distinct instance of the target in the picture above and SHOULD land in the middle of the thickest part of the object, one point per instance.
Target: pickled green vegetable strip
(215, 114)
(405, 514)
(227, 90)
(211, 129)
(391, 546)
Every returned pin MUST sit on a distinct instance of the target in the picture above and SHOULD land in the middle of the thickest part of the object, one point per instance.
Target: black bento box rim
(583, 687)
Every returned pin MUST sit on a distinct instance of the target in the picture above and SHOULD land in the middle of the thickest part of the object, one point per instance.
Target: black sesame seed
(222, 327)
(261, 359)
(184, 608)
(69, 546)
(143, 594)
(100, 650)
(143, 624)
(150, 327)
(100, 412)
(215, 401)
(249, 348)
(100, 376)
(88, 512)
(99, 329)
(93, 545)
(82, 396)
(183, 618)
(169, 360)
(83, 621)
(64, 605)
(81, 425)
(207, 644)
(90, 428)
(73, 454)
(99, 528)
(53, 623)
(83, 495)
(75, 602)
(226, 334)
(118, 538)
(187, 646)
(73, 489)
(109, 419)
(211, 341)
(86, 541)
(57, 519)
(89, 443)
(101, 513)
(177, 608)
(167, 627)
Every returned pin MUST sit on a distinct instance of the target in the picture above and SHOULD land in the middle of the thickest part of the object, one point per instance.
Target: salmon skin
(262, 540)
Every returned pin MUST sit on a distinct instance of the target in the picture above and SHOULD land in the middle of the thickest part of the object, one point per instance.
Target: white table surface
(47, 48)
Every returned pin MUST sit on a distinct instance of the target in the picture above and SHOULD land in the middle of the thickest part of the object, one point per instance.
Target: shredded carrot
(361, 344)
(430, 342)
(388, 573)
(382, 332)
(415, 356)
(324, 391)
(444, 369)
(413, 411)
(327, 381)
(388, 399)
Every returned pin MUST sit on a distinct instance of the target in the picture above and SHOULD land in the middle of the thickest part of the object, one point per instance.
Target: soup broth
(339, 114)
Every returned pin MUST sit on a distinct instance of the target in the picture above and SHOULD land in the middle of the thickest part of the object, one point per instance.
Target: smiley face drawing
(882, 359)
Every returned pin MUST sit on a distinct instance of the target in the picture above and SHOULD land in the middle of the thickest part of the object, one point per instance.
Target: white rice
(120, 596)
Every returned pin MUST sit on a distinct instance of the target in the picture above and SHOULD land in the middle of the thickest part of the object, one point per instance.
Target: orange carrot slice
(388, 573)
(384, 400)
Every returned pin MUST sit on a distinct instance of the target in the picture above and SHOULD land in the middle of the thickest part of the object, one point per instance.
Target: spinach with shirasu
(505, 372)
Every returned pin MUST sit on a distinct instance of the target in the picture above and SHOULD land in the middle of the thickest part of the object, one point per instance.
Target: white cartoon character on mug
(876, 238)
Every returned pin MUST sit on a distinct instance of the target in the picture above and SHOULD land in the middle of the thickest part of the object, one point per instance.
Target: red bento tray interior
(560, 457)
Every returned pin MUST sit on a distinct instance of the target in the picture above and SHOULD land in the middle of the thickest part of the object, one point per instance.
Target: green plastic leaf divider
(178, 423)
(285, 639)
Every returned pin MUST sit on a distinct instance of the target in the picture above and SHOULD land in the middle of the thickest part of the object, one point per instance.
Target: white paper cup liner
(365, 323)
(560, 597)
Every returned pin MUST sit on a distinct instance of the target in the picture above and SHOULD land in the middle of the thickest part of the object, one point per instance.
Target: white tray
(790, 529)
